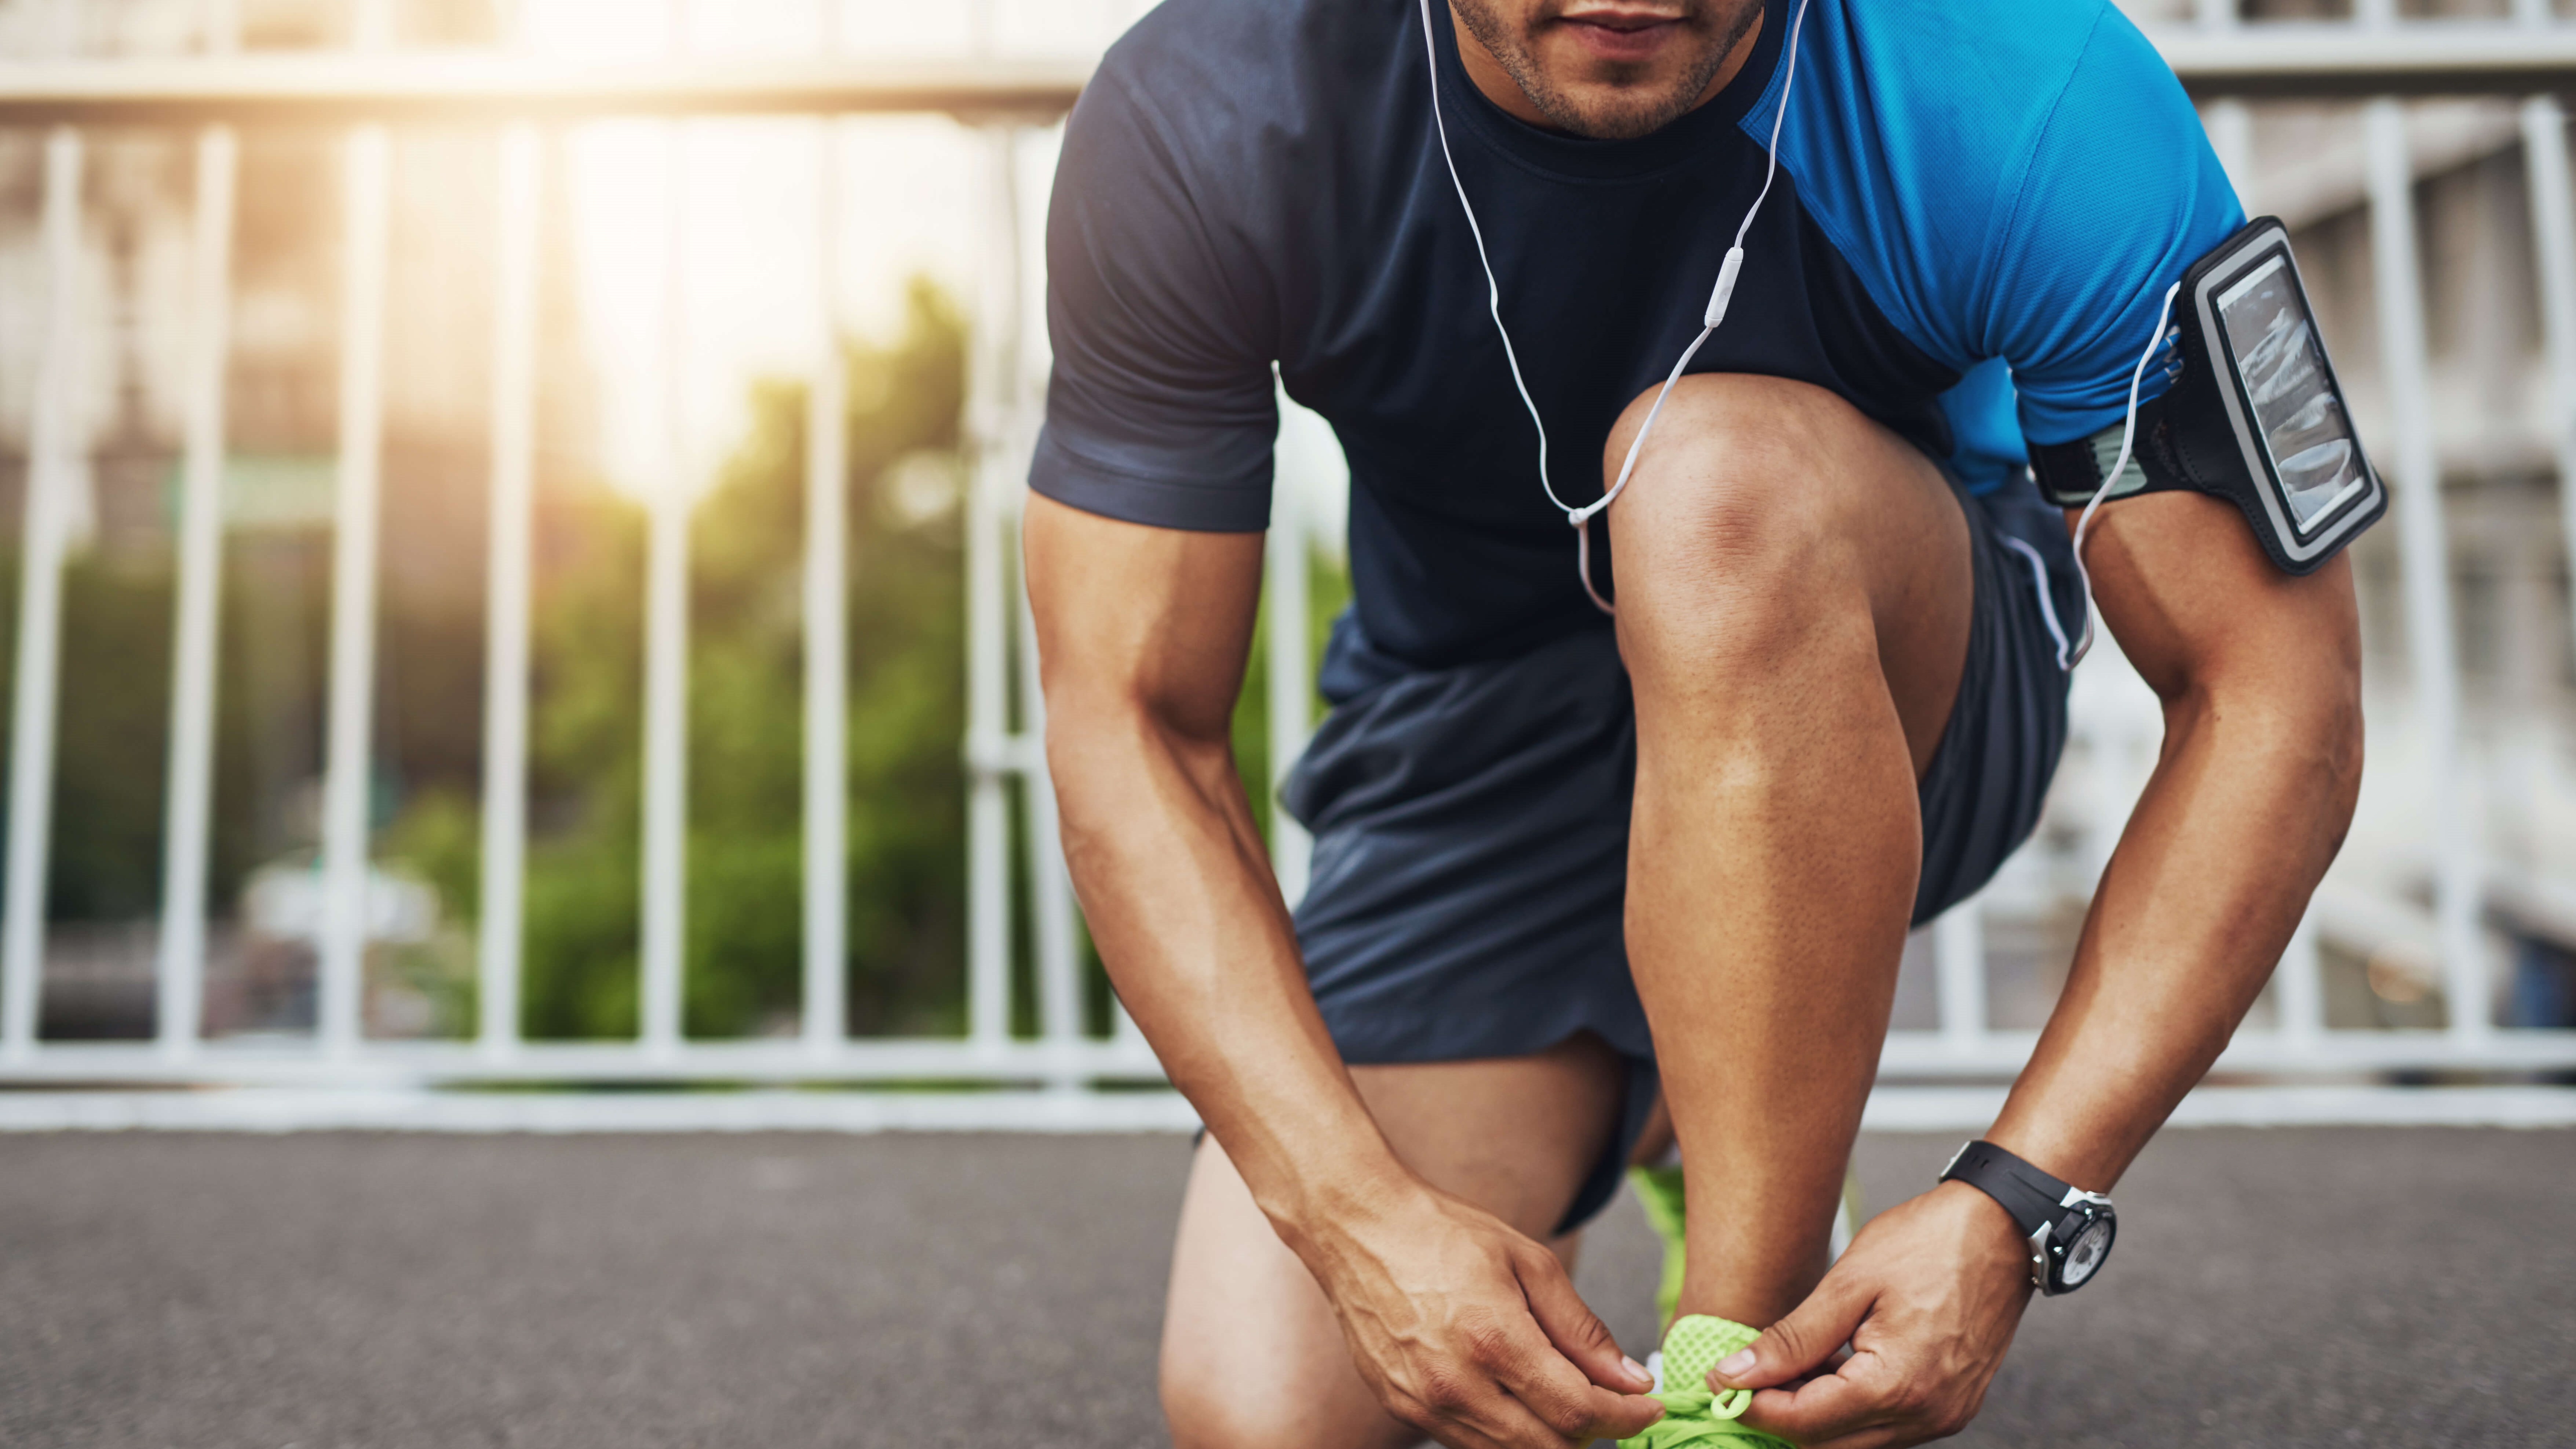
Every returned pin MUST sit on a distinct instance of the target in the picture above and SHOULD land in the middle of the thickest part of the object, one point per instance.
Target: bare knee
(1730, 530)
(1201, 1416)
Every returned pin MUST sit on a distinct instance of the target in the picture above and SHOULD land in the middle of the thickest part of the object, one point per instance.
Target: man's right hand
(1469, 1331)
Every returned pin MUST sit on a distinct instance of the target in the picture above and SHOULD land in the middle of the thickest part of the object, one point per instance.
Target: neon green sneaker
(1694, 1414)
(1659, 1191)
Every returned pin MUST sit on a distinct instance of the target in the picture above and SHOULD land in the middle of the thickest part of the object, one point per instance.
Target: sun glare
(736, 203)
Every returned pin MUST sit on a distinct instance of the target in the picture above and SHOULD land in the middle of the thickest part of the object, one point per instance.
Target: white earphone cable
(1719, 299)
(1493, 288)
(2068, 658)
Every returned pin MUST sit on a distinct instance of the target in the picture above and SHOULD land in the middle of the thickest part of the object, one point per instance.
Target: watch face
(2084, 1256)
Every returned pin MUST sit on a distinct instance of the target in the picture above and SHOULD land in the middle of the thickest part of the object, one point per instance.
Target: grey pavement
(2308, 1287)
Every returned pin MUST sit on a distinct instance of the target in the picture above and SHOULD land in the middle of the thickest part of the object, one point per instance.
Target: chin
(1616, 113)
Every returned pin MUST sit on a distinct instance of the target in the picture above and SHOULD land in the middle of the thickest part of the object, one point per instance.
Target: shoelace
(1695, 1414)
(1702, 1416)
(1698, 1416)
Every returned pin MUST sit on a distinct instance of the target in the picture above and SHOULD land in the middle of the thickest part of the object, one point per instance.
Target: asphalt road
(2378, 1288)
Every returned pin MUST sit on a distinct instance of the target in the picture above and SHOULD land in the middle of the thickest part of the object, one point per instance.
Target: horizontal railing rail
(331, 88)
(368, 91)
(2254, 61)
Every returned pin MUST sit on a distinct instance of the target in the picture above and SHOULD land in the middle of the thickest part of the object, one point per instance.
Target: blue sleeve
(2016, 182)
(2121, 193)
(1161, 408)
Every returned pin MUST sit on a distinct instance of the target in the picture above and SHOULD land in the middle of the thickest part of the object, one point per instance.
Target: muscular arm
(1143, 634)
(1465, 1329)
(2260, 678)
(2259, 675)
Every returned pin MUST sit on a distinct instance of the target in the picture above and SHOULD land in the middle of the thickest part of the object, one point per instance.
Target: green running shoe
(1659, 1191)
(1694, 1414)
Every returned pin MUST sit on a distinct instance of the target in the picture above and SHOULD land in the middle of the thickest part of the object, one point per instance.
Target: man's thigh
(1252, 1356)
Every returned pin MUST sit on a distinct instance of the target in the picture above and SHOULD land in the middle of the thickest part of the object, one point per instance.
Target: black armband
(2253, 413)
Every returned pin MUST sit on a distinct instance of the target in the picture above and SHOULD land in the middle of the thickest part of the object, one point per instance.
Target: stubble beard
(1629, 114)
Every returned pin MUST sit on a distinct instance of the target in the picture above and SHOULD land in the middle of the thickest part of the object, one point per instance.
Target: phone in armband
(2254, 414)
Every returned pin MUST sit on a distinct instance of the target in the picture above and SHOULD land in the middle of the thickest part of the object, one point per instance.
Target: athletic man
(1561, 858)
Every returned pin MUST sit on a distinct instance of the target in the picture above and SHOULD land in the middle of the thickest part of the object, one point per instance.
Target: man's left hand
(1927, 1297)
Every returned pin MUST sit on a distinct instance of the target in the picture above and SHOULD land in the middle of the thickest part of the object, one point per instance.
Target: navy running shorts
(1471, 828)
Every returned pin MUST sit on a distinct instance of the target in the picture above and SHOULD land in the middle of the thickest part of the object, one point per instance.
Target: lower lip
(1623, 45)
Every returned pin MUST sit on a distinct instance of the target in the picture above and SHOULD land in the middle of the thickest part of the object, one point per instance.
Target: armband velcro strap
(2070, 474)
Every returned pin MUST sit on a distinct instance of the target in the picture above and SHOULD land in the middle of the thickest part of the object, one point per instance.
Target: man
(1560, 860)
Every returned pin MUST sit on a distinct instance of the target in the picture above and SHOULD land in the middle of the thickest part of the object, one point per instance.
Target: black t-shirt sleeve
(1161, 409)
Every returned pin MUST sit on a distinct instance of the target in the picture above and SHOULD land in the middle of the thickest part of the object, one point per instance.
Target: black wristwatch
(2070, 1230)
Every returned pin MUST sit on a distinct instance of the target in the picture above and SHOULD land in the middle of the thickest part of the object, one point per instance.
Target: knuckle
(1568, 1418)
(1787, 1339)
(1443, 1392)
(1912, 1401)
(1487, 1343)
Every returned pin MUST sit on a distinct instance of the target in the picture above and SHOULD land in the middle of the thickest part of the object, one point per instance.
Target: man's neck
(1499, 87)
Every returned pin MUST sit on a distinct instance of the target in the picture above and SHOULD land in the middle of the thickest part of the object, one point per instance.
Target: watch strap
(2030, 1195)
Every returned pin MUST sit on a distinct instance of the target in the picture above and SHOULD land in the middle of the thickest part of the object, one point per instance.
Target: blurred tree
(907, 684)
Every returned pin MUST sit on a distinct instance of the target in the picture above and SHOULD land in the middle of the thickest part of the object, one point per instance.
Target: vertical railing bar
(509, 611)
(349, 746)
(348, 758)
(2425, 553)
(2231, 135)
(988, 746)
(1050, 886)
(2553, 221)
(827, 690)
(181, 965)
(2300, 997)
(1959, 964)
(52, 464)
(223, 25)
(1290, 679)
(2230, 123)
(666, 664)
(1051, 902)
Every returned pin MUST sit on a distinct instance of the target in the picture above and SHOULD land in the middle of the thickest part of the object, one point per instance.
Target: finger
(1504, 1420)
(1818, 1411)
(1801, 1342)
(1549, 1387)
(1570, 1324)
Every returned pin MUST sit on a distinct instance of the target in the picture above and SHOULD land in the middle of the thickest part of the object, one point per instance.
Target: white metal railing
(513, 96)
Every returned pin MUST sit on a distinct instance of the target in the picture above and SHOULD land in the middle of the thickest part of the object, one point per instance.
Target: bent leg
(1252, 1356)
(1794, 600)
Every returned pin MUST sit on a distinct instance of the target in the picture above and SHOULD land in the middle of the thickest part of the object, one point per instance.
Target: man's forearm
(1180, 896)
(2247, 807)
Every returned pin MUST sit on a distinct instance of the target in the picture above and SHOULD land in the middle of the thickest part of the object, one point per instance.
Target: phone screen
(2281, 370)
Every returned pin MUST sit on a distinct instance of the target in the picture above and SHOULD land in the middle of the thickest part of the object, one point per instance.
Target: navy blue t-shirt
(1981, 203)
